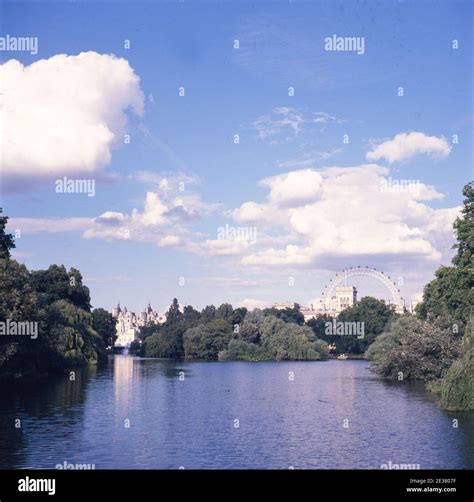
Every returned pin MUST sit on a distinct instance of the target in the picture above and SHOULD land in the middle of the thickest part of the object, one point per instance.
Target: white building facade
(129, 324)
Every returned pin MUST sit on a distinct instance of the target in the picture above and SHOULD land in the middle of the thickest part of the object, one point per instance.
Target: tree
(167, 340)
(249, 332)
(238, 316)
(281, 340)
(166, 343)
(207, 340)
(19, 355)
(374, 314)
(318, 325)
(225, 311)
(174, 314)
(239, 350)
(451, 293)
(135, 348)
(148, 330)
(464, 229)
(457, 387)
(56, 283)
(415, 349)
(287, 314)
(7, 241)
(105, 325)
(71, 337)
(208, 314)
(191, 315)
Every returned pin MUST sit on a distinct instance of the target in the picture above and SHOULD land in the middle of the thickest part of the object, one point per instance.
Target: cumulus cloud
(63, 115)
(406, 145)
(163, 221)
(348, 213)
(291, 189)
(294, 188)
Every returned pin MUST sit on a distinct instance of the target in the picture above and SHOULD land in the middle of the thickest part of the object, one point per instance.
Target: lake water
(141, 413)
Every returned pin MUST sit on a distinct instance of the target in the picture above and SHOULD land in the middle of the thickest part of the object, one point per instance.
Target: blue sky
(310, 224)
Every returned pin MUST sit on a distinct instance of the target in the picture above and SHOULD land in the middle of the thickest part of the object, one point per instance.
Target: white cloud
(171, 241)
(348, 215)
(289, 121)
(63, 115)
(294, 188)
(406, 145)
(165, 180)
(290, 189)
(252, 303)
(309, 159)
(163, 221)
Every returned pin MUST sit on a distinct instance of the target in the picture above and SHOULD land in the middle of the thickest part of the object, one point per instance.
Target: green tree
(174, 314)
(167, 341)
(248, 332)
(239, 350)
(238, 316)
(208, 314)
(415, 349)
(457, 387)
(225, 311)
(19, 355)
(464, 230)
(56, 283)
(105, 325)
(207, 340)
(71, 338)
(286, 315)
(7, 241)
(318, 325)
(191, 316)
(451, 293)
(374, 313)
(135, 348)
(148, 330)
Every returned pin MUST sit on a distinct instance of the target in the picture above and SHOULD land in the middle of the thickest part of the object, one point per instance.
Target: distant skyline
(228, 152)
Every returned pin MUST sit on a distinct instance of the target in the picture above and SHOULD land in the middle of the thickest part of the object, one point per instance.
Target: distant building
(285, 305)
(346, 296)
(129, 324)
(308, 312)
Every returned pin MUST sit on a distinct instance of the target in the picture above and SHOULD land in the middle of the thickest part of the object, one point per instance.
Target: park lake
(160, 414)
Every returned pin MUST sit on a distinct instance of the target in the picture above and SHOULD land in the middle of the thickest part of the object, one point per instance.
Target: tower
(116, 311)
(346, 296)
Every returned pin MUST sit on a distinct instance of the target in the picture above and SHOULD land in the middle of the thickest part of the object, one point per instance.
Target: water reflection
(142, 413)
